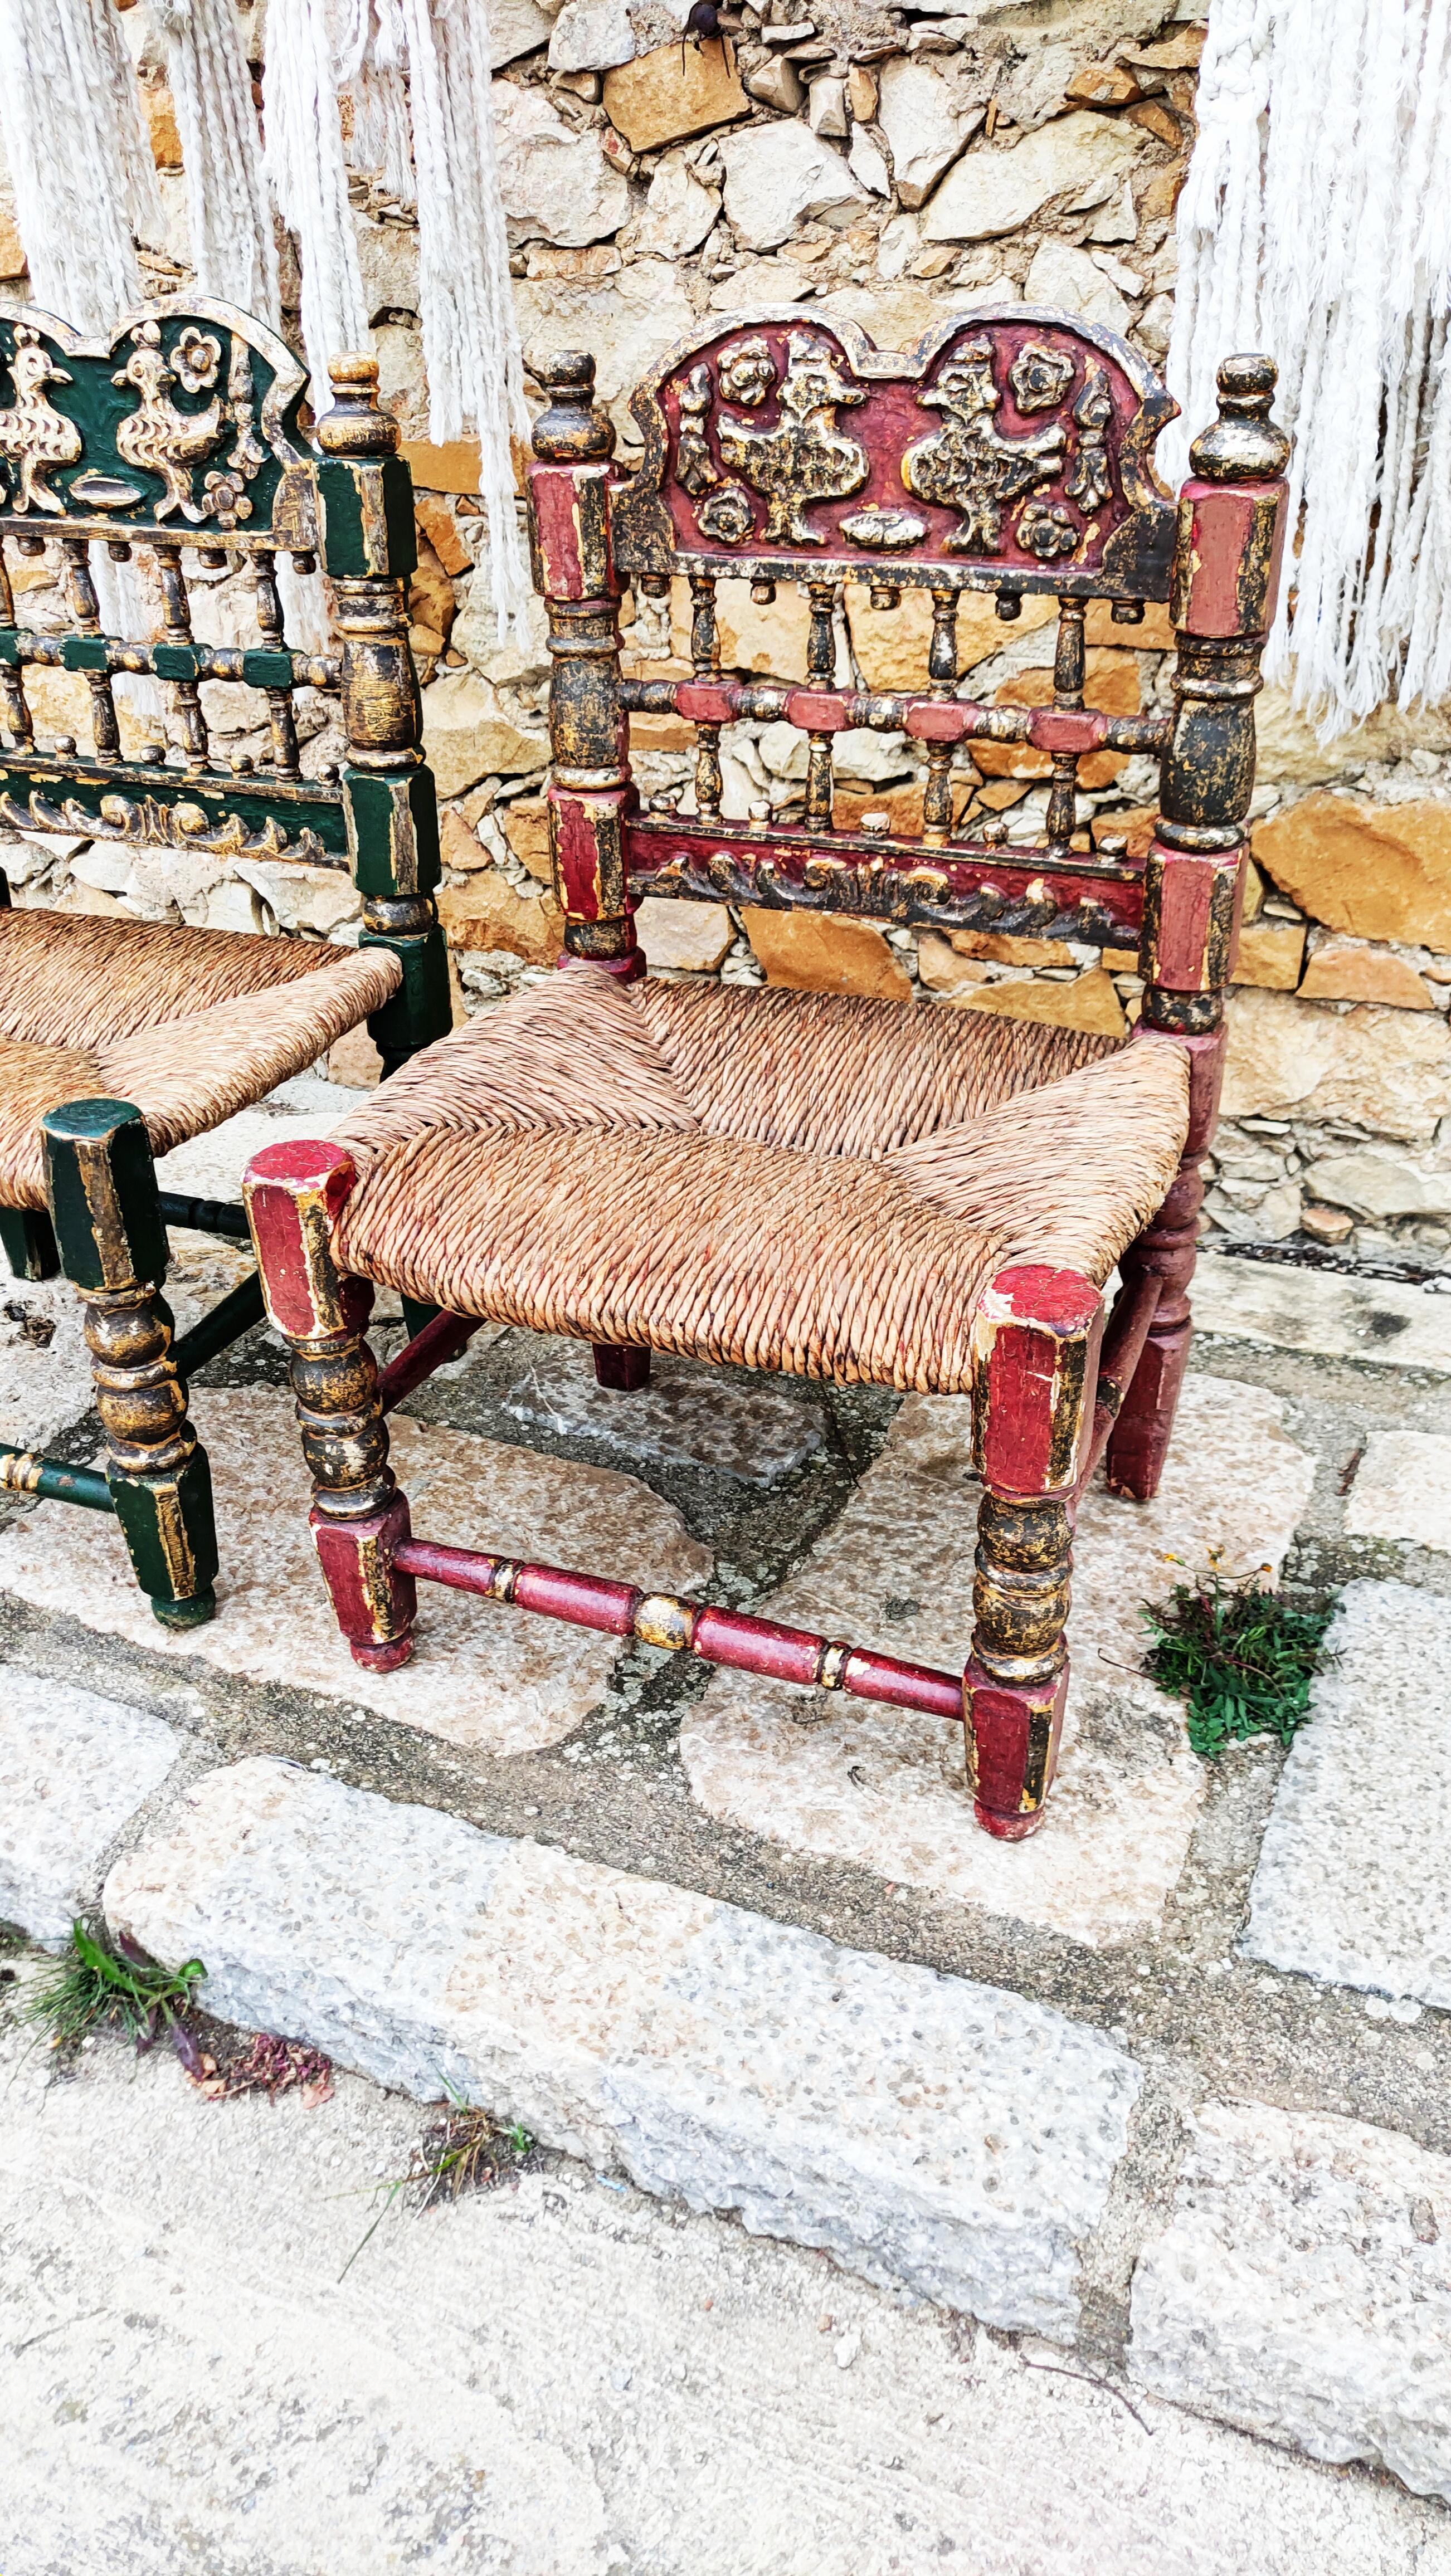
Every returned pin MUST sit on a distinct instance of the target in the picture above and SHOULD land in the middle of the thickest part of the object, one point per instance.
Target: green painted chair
(177, 441)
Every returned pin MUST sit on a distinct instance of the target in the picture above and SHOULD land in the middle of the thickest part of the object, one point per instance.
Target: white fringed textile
(429, 139)
(309, 179)
(229, 217)
(1316, 224)
(85, 183)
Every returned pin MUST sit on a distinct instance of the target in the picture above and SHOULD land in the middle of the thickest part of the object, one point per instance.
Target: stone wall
(890, 164)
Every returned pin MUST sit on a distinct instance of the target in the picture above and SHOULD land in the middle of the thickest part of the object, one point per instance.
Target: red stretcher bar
(716, 1636)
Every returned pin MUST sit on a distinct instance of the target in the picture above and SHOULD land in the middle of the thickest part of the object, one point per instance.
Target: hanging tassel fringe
(1314, 223)
(229, 218)
(417, 74)
(67, 87)
(309, 179)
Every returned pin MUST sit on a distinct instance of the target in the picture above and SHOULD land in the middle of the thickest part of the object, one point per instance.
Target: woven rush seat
(191, 1025)
(803, 1183)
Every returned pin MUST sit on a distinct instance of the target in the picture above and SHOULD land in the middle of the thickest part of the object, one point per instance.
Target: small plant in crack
(93, 1985)
(1241, 1657)
(466, 2150)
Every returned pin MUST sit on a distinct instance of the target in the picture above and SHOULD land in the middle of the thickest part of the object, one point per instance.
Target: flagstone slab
(1302, 2289)
(685, 1416)
(1402, 1490)
(74, 1768)
(930, 2132)
(483, 1675)
(847, 1781)
(1324, 1311)
(1354, 1876)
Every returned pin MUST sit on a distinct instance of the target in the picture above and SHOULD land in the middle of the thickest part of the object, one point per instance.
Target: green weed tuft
(91, 1986)
(1241, 1657)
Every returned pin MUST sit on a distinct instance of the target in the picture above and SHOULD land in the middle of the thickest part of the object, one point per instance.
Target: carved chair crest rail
(901, 1194)
(151, 462)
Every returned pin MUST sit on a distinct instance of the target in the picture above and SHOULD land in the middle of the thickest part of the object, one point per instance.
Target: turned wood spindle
(281, 715)
(85, 608)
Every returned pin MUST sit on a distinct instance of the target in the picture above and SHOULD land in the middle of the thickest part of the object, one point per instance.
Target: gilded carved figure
(158, 437)
(35, 438)
(968, 465)
(804, 457)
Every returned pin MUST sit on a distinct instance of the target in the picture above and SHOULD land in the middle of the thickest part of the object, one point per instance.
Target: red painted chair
(901, 1194)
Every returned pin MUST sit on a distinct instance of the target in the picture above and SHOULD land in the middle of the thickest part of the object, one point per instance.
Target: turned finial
(570, 431)
(1243, 445)
(356, 426)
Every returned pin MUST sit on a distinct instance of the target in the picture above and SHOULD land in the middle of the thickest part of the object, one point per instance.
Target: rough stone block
(1354, 1876)
(1375, 1183)
(666, 95)
(924, 129)
(469, 734)
(556, 184)
(1350, 970)
(1089, 1002)
(488, 913)
(1383, 871)
(1378, 1068)
(482, 1676)
(778, 174)
(1302, 2289)
(995, 188)
(929, 2132)
(848, 1781)
(1270, 954)
(1402, 1490)
(814, 952)
(73, 1770)
(692, 938)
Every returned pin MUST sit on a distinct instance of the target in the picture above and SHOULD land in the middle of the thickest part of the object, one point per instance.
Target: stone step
(932, 2133)
(1302, 2289)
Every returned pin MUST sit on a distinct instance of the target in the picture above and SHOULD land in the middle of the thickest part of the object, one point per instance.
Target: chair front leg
(112, 1244)
(294, 1194)
(1036, 1341)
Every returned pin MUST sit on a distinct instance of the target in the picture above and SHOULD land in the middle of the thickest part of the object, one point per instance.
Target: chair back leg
(112, 1243)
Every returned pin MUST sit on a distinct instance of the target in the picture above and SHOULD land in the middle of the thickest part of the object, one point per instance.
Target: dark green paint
(421, 1010)
(176, 661)
(98, 407)
(9, 644)
(383, 809)
(345, 546)
(139, 1503)
(58, 1483)
(319, 810)
(27, 1240)
(85, 653)
(267, 670)
(89, 1263)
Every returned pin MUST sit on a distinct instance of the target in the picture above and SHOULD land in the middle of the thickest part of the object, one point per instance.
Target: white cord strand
(229, 218)
(1316, 223)
(66, 83)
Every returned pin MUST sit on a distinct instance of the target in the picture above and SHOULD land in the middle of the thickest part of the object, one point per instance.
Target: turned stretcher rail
(1076, 729)
(659, 1619)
